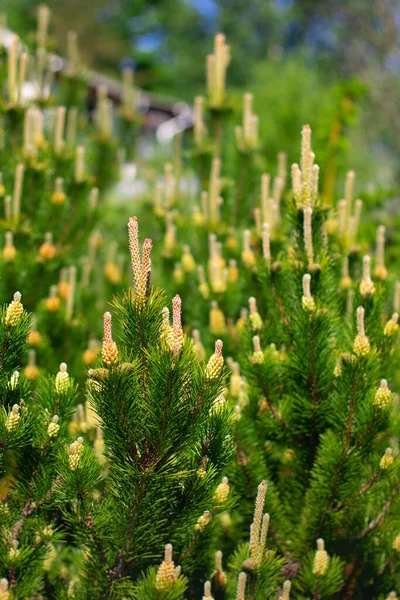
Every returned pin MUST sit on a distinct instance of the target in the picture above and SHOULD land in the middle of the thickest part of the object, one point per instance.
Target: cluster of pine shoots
(238, 442)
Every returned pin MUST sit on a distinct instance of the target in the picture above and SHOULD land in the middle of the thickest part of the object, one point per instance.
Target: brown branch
(375, 522)
(350, 414)
(31, 507)
(362, 437)
(362, 491)
(279, 304)
(275, 412)
(386, 565)
(123, 562)
(28, 510)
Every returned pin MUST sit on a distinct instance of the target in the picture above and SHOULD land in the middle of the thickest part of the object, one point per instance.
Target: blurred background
(332, 63)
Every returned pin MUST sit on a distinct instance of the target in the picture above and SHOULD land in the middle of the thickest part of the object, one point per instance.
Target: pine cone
(62, 380)
(53, 303)
(255, 321)
(58, 198)
(222, 491)
(165, 577)
(14, 311)
(382, 396)
(13, 419)
(9, 253)
(258, 357)
(54, 427)
(321, 562)
(214, 366)
(391, 327)
(396, 543)
(109, 353)
(380, 272)
(361, 345)
(308, 303)
(367, 288)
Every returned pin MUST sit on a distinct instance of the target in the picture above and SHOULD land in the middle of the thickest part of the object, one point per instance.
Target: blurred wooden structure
(156, 110)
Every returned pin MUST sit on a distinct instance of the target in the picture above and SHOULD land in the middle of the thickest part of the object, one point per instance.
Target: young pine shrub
(167, 442)
(320, 418)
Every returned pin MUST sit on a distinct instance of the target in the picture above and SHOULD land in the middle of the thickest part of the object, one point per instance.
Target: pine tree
(166, 439)
(318, 416)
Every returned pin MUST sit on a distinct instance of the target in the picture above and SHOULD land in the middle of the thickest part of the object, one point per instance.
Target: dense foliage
(272, 387)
